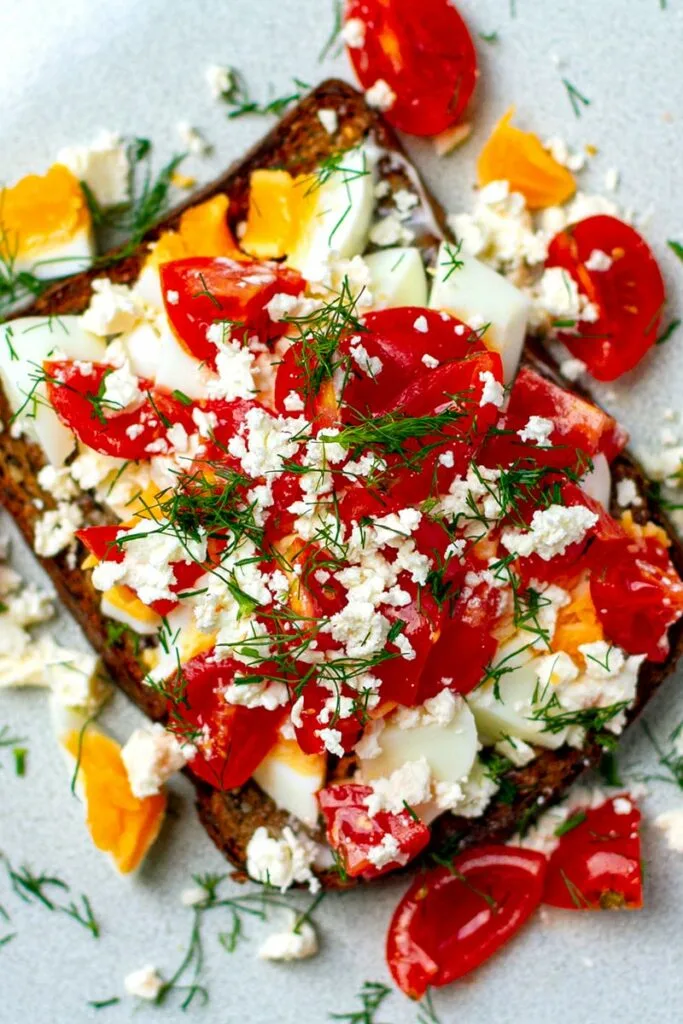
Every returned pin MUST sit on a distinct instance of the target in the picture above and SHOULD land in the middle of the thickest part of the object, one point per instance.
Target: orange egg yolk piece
(519, 158)
(577, 623)
(120, 824)
(279, 207)
(41, 210)
(202, 231)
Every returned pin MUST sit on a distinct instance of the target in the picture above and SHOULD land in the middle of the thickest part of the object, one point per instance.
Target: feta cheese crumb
(493, 393)
(429, 361)
(372, 365)
(219, 80)
(145, 983)
(113, 309)
(552, 531)
(387, 852)
(103, 166)
(56, 529)
(121, 389)
(421, 324)
(380, 95)
(328, 119)
(671, 824)
(537, 429)
(410, 784)
(193, 896)
(627, 493)
(353, 33)
(290, 944)
(573, 369)
(599, 261)
(282, 862)
(151, 756)
(192, 139)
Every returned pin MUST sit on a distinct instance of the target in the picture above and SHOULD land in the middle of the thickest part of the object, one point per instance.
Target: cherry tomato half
(452, 919)
(206, 290)
(74, 390)
(423, 51)
(321, 709)
(355, 835)
(597, 865)
(237, 738)
(629, 294)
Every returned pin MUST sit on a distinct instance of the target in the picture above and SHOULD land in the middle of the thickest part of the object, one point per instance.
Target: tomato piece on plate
(401, 339)
(452, 919)
(210, 290)
(597, 865)
(425, 54)
(418, 623)
(579, 427)
(629, 294)
(75, 393)
(231, 740)
(322, 709)
(369, 847)
(299, 392)
(637, 594)
(100, 541)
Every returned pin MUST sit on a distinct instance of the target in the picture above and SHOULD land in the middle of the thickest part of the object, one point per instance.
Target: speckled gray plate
(72, 67)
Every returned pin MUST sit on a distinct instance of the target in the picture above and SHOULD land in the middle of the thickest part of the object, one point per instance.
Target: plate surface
(71, 68)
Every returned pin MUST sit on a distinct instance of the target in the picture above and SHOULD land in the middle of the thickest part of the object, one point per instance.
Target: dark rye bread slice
(298, 143)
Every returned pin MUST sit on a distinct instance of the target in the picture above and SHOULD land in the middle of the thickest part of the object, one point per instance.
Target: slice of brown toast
(298, 143)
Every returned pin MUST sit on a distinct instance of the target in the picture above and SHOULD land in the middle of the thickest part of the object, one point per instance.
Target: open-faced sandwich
(388, 582)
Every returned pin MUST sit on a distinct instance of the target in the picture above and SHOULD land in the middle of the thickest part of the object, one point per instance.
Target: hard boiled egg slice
(397, 278)
(178, 370)
(46, 225)
(479, 296)
(122, 605)
(336, 209)
(449, 749)
(120, 824)
(597, 483)
(292, 779)
(24, 345)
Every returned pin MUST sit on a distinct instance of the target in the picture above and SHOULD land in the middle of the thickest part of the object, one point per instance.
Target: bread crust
(299, 143)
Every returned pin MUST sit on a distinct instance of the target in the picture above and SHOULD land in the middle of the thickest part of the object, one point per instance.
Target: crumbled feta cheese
(121, 389)
(610, 678)
(555, 670)
(103, 166)
(390, 231)
(372, 365)
(219, 80)
(192, 139)
(439, 710)
(671, 824)
(598, 261)
(552, 531)
(145, 983)
(627, 493)
(612, 177)
(387, 852)
(410, 784)
(405, 202)
(291, 944)
(30, 606)
(573, 369)
(172, 297)
(447, 459)
(151, 756)
(113, 309)
(493, 392)
(537, 429)
(380, 95)
(332, 741)
(474, 796)
(265, 442)
(193, 896)
(328, 119)
(284, 306)
(515, 750)
(421, 325)
(353, 33)
(269, 695)
(429, 361)
(622, 805)
(235, 372)
(57, 482)
(282, 862)
(56, 529)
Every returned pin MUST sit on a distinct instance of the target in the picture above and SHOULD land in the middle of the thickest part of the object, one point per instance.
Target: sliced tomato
(75, 392)
(637, 594)
(629, 296)
(425, 54)
(597, 865)
(211, 290)
(100, 541)
(322, 709)
(298, 392)
(580, 429)
(420, 624)
(475, 648)
(354, 835)
(231, 740)
(391, 335)
(452, 919)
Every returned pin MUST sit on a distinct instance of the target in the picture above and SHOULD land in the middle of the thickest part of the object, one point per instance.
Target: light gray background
(73, 66)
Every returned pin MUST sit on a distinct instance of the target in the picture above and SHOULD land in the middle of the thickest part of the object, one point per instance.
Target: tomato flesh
(629, 295)
(74, 390)
(353, 834)
(425, 54)
(316, 714)
(238, 737)
(451, 920)
(597, 865)
(208, 290)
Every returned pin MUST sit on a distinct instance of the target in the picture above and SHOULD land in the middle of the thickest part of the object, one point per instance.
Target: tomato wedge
(597, 865)
(321, 709)
(369, 847)
(231, 740)
(423, 51)
(452, 919)
(629, 294)
(74, 390)
(208, 290)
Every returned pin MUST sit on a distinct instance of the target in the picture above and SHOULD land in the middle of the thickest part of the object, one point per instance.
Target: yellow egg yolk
(40, 212)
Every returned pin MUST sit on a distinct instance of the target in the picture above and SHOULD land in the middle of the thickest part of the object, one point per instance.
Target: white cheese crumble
(113, 309)
(57, 482)
(328, 119)
(493, 392)
(235, 372)
(598, 261)
(264, 442)
(671, 824)
(56, 529)
(430, 362)
(144, 983)
(380, 95)
(387, 852)
(219, 80)
(538, 430)
(268, 695)
(410, 784)
(421, 325)
(151, 756)
(192, 139)
(290, 944)
(552, 531)
(573, 369)
(282, 862)
(353, 33)
(121, 390)
(103, 166)
(372, 365)
(627, 493)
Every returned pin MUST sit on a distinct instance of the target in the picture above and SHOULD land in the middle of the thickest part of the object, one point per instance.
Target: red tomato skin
(630, 580)
(426, 55)
(401, 677)
(353, 833)
(315, 698)
(68, 391)
(597, 865)
(100, 541)
(630, 294)
(240, 737)
(443, 928)
(212, 289)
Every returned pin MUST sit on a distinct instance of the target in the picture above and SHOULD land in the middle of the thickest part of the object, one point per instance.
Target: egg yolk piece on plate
(276, 206)
(519, 158)
(120, 824)
(45, 224)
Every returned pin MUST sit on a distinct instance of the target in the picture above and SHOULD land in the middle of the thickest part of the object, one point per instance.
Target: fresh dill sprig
(43, 889)
(371, 997)
(676, 248)
(452, 261)
(102, 1004)
(333, 45)
(426, 1012)
(668, 332)
(239, 101)
(669, 757)
(576, 98)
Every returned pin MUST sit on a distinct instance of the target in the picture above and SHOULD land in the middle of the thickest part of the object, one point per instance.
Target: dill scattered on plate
(44, 889)
(576, 98)
(371, 997)
(240, 102)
